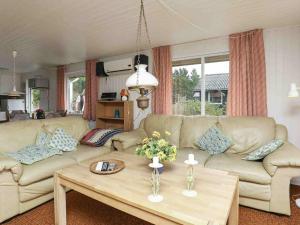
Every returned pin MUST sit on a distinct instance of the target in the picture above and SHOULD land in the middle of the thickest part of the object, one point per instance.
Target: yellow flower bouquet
(157, 146)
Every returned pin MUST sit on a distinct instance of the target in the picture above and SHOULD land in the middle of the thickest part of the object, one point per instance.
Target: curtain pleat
(60, 102)
(247, 83)
(162, 67)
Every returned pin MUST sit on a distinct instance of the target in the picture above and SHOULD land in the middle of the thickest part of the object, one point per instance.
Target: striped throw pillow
(98, 137)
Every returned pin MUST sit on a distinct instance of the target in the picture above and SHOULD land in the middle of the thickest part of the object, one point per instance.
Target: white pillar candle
(191, 157)
(155, 160)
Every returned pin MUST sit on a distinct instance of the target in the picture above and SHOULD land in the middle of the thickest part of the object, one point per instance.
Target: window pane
(187, 89)
(76, 95)
(216, 86)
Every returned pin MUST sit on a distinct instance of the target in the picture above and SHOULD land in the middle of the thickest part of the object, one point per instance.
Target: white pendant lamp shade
(14, 92)
(293, 93)
(141, 79)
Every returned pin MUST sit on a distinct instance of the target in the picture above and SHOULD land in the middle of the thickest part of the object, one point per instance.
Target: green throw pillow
(214, 141)
(32, 153)
(62, 141)
(264, 150)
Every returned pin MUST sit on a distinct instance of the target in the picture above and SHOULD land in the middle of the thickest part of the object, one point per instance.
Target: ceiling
(53, 32)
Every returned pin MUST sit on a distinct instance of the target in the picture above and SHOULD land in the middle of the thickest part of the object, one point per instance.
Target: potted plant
(157, 146)
(40, 114)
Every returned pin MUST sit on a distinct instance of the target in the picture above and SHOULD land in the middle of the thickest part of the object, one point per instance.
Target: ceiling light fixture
(142, 81)
(14, 92)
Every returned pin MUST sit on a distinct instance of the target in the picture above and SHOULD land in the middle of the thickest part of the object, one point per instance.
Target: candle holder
(155, 181)
(190, 178)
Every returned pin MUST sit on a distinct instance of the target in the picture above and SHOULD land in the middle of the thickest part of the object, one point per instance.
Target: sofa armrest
(287, 155)
(15, 167)
(128, 139)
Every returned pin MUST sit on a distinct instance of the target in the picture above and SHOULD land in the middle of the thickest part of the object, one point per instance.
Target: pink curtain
(247, 83)
(162, 67)
(60, 102)
(91, 90)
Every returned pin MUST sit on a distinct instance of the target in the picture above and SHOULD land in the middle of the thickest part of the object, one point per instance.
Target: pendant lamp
(14, 92)
(142, 81)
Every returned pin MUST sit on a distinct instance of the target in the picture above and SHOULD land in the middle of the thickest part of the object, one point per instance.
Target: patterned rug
(82, 210)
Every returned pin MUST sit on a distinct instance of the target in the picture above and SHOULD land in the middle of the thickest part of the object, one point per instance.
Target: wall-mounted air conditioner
(121, 65)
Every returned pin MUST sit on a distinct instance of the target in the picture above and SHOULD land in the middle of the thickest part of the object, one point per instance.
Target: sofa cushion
(200, 156)
(249, 171)
(62, 140)
(264, 150)
(194, 127)
(44, 169)
(35, 190)
(247, 133)
(162, 123)
(213, 141)
(256, 191)
(85, 152)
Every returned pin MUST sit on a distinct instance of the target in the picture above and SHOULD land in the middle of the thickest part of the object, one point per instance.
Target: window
(75, 93)
(38, 98)
(194, 93)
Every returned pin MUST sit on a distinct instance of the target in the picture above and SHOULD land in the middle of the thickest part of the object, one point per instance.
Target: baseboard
(296, 181)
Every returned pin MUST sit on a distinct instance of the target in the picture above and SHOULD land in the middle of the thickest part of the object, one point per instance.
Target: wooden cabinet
(114, 114)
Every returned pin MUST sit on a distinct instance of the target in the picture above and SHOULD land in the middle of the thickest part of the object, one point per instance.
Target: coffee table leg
(59, 202)
(234, 212)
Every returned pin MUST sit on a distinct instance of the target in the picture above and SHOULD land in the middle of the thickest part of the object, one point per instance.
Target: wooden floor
(85, 211)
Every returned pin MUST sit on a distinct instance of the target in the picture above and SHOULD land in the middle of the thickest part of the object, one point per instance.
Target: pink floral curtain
(162, 67)
(60, 102)
(247, 83)
(91, 90)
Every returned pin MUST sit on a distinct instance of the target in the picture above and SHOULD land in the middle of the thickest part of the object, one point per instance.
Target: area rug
(82, 210)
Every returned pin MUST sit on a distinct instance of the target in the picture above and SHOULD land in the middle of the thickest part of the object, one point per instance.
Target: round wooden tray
(119, 166)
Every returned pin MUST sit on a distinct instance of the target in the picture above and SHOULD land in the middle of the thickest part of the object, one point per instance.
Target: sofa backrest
(247, 133)
(18, 134)
(162, 123)
(194, 127)
(74, 125)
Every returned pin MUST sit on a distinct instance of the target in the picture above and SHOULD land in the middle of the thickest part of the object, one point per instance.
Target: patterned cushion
(264, 150)
(62, 141)
(214, 141)
(98, 137)
(32, 153)
(42, 138)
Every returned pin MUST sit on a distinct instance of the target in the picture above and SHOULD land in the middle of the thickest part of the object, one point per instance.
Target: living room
(149, 112)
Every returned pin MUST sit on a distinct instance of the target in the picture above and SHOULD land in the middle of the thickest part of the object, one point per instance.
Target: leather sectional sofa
(263, 184)
(23, 187)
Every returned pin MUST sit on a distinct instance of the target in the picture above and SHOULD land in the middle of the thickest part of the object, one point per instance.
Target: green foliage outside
(183, 95)
(78, 87)
(36, 98)
(185, 83)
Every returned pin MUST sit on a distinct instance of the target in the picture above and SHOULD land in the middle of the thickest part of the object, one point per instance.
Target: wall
(116, 82)
(282, 50)
(49, 73)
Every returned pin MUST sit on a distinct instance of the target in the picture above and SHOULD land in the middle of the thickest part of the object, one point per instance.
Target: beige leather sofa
(263, 184)
(23, 187)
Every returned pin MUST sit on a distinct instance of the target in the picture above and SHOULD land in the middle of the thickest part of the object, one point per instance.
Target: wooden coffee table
(215, 204)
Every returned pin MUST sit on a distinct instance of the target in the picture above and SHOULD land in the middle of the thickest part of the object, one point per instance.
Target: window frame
(201, 59)
(69, 75)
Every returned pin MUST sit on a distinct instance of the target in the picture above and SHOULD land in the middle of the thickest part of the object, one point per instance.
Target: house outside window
(189, 84)
(75, 93)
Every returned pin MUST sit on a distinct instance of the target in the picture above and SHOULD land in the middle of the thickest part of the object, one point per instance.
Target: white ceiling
(53, 32)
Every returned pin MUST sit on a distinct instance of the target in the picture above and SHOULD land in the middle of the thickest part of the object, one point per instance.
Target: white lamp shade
(141, 79)
(293, 93)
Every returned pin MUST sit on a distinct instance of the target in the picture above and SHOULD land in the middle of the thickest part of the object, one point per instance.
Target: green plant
(156, 146)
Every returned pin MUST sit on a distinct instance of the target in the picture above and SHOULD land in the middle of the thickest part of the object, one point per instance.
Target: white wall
(116, 82)
(282, 50)
(49, 73)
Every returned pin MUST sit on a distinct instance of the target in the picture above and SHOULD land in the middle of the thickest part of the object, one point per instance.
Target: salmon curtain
(162, 67)
(91, 90)
(247, 83)
(60, 102)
